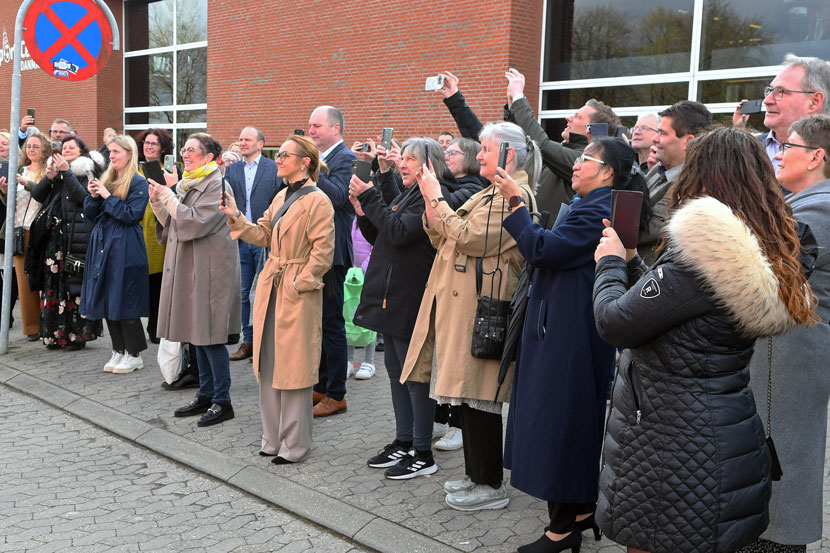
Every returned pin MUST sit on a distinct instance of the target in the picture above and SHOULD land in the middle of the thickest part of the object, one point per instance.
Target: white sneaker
(451, 441)
(350, 369)
(453, 486)
(479, 497)
(439, 429)
(114, 360)
(128, 364)
(365, 372)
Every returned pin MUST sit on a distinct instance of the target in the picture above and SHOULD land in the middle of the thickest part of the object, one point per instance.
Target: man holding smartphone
(325, 128)
(254, 184)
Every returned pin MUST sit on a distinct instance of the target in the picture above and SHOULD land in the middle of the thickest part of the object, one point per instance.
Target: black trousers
(483, 461)
(563, 515)
(127, 335)
(155, 294)
(447, 414)
(335, 351)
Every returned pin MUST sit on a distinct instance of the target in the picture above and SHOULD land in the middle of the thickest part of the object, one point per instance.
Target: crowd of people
(492, 272)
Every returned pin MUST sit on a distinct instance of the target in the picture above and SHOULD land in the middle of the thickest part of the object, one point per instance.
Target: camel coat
(446, 317)
(301, 253)
(199, 301)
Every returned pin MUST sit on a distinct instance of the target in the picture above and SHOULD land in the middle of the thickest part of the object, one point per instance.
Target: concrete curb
(360, 526)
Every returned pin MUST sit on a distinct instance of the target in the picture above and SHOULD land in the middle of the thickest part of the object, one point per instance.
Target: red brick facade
(90, 106)
(270, 64)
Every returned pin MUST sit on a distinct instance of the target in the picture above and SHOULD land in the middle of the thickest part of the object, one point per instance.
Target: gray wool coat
(800, 392)
(200, 298)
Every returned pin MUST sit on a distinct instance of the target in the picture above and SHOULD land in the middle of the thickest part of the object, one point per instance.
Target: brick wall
(90, 105)
(271, 67)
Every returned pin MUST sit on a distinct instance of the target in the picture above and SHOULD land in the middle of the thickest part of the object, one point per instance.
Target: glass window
(149, 24)
(617, 96)
(732, 90)
(192, 116)
(149, 118)
(191, 21)
(149, 80)
(587, 39)
(748, 33)
(191, 76)
(181, 138)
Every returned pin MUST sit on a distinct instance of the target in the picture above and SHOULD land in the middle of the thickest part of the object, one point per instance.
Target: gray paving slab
(41, 389)
(191, 453)
(115, 421)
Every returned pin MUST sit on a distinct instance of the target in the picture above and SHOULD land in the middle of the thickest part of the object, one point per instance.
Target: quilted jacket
(685, 466)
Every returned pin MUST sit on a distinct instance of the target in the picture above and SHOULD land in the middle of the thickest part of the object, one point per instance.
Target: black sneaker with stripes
(420, 464)
(390, 455)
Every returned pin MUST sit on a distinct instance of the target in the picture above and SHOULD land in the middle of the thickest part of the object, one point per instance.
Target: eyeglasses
(283, 155)
(643, 128)
(190, 150)
(583, 158)
(55, 131)
(153, 144)
(778, 92)
(452, 153)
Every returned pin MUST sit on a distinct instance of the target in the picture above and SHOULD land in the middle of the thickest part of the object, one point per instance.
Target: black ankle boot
(572, 541)
(589, 523)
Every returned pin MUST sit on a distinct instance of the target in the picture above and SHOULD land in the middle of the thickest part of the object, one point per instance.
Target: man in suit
(254, 184)
(325, 128)
(679, 124)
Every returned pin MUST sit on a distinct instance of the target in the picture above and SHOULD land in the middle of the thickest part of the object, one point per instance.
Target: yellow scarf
(190, 178)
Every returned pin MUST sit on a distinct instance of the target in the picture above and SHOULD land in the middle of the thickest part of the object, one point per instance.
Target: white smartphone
(434, 83)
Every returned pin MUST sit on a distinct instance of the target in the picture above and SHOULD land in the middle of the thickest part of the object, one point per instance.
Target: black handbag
(492, 312)
(20, 233)
(73, 264)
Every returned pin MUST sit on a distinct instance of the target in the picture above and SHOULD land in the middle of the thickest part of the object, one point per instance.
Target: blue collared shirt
(773, 147)
(250, 174)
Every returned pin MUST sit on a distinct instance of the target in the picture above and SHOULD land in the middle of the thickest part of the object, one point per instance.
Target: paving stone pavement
(335, 473)
(68, 486)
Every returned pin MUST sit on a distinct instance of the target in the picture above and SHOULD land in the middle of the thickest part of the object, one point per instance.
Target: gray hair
(528, 156)
(427, 149)
(816, 75)
(652, 114)
(335, 117)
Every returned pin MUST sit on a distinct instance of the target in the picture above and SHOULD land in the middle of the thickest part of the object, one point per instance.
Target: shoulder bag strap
(284, 207)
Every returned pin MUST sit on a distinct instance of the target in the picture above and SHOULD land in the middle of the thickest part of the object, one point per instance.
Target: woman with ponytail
(560, 383)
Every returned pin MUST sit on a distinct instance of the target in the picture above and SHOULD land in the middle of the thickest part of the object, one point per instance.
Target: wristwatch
(434, 201)
(514, 201)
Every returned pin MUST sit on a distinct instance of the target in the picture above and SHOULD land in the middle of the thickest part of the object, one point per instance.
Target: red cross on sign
(69, 39)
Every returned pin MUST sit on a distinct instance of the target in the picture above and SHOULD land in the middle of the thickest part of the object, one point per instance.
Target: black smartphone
(31, 113)
(625, 215)
(152, 170)
(169, 162)
(223, 191)
(4, 169)
(752, 106)
(597, 130)
(503, 154)
(364, 148)
(386, 138)
(363, 169)
(299, 132)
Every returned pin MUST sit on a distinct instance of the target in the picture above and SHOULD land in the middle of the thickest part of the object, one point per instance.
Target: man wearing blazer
(325, 128)
(254, 184)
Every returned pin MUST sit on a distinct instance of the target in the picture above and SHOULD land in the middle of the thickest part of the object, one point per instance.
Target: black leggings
(483, 460)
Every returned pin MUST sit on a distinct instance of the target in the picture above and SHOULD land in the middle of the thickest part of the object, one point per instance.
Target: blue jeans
(248, 259)
(214, 373)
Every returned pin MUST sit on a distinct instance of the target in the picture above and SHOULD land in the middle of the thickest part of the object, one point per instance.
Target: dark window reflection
(616, 96)
(149, 80)
(148, 24)
(192, 116)
(597, 38)
(181, 138)
(749, 33)
(732, 90)
(191, 81)
(150, 118)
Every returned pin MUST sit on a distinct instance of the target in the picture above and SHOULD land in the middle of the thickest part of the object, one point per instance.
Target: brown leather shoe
(246, 350)
(316, 397)
(329, 406)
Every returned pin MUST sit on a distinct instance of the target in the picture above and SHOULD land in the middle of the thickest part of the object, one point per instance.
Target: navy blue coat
(563, 369)
(263, 190)
(116, 278)
(336, 186)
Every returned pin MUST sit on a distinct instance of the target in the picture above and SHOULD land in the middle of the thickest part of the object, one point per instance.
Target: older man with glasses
(642, 137)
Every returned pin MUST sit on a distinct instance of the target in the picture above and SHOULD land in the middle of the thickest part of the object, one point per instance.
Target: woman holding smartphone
(115, 285)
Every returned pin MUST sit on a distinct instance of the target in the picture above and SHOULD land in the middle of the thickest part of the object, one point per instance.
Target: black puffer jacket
(685, 466)
(71, 185)
(402, 254)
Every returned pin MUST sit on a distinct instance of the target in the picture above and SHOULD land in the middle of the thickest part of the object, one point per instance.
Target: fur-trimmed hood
(95, 163)
(706, 236)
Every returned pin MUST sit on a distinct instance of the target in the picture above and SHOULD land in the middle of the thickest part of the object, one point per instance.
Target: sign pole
(14, 127)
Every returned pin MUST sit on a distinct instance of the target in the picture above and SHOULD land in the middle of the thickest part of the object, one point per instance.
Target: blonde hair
(45, 153)
(8, 137)
(119, 185)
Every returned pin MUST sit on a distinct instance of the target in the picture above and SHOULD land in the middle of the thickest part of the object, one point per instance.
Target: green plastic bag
(355, 335)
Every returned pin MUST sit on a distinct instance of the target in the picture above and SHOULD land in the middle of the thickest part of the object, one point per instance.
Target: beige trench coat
(200, 298)
(446, 317)
(301, 253)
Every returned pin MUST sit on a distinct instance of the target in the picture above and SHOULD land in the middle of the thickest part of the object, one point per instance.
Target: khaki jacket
(301, 253)
(449, 302)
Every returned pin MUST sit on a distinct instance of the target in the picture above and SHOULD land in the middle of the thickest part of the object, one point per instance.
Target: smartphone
(299, 132)
(223, 191)
(31, 113)
(597, 130)
(363, 169)
(386, 138)
(503, 154)
(625, 215)
(752, 106)
(89, 176)
(57, 147)
(364, 148)
(4, 169)
(434, 83)
(152, 170)
(169, 162)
